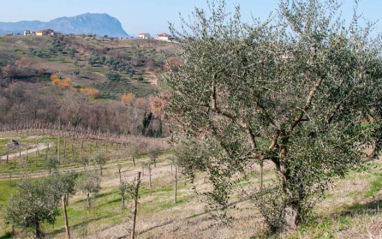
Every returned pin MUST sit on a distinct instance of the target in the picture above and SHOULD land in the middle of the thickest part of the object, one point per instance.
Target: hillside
(89, 23)
(87, 61)
(105, 69)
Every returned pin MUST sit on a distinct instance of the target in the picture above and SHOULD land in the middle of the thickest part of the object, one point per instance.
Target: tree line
(23, 103)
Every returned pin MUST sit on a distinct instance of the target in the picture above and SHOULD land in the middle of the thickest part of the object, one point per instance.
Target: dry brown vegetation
(349, 210)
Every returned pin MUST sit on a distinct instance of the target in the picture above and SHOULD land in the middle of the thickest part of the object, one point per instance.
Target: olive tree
(133, 152)
(291, 91)
(63, 185)
(100, 160)
(33, 204)
(126, 190)
(89, 183)
(153, 153)
(148, 166)
(51, 163)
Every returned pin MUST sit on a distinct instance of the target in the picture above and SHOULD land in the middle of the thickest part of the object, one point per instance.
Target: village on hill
(50, 32)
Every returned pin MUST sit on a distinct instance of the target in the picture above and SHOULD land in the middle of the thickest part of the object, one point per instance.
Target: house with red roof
(144, 36)
(46, 32)
(164, 37)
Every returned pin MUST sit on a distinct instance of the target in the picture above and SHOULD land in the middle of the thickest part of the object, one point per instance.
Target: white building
(144, 36)
(164, 37)
(29, 33)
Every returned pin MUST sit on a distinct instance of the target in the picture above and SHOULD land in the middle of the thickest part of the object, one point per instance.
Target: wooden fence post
(138, 181)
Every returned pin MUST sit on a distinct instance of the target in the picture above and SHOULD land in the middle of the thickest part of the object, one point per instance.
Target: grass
(7, 188)
(35, 162)
(107, 205)
(349, 208)
(114, 90)
(106, 208)
(375, 177)
(107, 212)
(103, 207)
(376, 186)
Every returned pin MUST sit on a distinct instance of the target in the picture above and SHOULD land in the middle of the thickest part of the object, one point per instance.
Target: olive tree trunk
(63, 198)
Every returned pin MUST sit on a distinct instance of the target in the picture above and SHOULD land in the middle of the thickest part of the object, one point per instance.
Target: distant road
(32, 150)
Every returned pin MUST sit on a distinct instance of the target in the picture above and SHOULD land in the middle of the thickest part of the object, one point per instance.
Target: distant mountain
(89, 23)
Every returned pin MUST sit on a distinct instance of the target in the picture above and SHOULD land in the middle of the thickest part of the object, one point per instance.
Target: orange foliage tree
(140, 103)
(158, 105)
(41, 71)
(8, 71)
(67, 83)
(55, 80)
(90, 92)
(128, 98)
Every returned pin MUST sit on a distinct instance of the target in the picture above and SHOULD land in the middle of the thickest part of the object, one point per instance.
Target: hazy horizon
(153, 16)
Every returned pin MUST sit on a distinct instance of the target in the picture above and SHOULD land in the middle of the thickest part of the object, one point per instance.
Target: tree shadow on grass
(109, 202)
(6, 236)
(98, 196)
(78, 225)
(370, 207)
(186, 218)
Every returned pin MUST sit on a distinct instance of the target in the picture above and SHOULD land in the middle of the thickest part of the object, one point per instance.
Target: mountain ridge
(88, 23)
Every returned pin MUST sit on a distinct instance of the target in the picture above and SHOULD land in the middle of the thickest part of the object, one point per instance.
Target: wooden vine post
(176, 184)
(137, 182)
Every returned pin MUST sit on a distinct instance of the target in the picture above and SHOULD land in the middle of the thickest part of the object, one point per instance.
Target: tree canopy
(34, 203)
(293, 91)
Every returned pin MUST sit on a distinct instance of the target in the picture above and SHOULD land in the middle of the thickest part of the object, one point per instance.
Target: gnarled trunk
(39, 233)
(291, 215)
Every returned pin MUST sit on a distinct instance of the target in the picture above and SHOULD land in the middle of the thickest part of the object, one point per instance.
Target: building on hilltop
(46, 32)
(29, 33)
(164, 37)
(144, 36)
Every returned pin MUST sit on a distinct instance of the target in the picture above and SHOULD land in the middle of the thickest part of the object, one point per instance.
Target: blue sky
(152, 15)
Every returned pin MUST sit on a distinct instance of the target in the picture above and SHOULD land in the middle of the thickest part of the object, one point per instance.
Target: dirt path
(151, 78)
(28, 151)
(110, 169)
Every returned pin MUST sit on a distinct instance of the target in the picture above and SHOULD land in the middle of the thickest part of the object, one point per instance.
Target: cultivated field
(350, 210)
